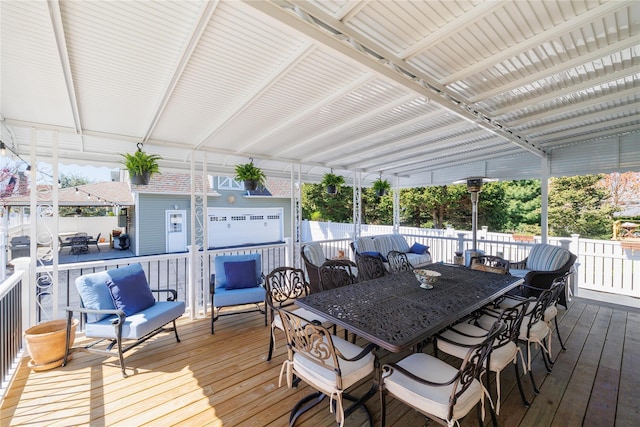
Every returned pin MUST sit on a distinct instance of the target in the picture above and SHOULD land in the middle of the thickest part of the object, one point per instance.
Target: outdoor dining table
(395, 313)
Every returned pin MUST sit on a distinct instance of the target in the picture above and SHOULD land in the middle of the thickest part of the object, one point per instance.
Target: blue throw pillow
(240, 274)
(417, 248)
(376, 254)
(131, 292)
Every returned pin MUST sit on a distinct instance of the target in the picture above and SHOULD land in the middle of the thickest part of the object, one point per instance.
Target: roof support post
(357, 201)
(396, 204)
(296, 212)
(544, 198)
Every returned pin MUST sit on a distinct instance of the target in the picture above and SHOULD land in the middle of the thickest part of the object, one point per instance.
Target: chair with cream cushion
(327, 363)
(313, 257)
(283, 285)
(457, 340)
(436, 389)
(533, 331)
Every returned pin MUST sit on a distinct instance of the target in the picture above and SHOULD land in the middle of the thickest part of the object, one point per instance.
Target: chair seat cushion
(227, 297)
(432, 400)
(419, 260)
(518, 272)
(302, 312)
(138, 324)
(324, 379)
(500, 356)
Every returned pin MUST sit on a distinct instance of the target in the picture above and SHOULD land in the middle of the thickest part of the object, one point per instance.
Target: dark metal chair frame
(283, 285)
(512, 318)
(314, 342)
(79, 245)
(336, 273)
(95, 241)
(472, 368)
(370, 267)
(398, 261)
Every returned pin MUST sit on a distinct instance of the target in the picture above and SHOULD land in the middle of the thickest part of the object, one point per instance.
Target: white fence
(602, 265)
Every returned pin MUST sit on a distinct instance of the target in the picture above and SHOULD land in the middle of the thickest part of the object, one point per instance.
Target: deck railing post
(461, 242)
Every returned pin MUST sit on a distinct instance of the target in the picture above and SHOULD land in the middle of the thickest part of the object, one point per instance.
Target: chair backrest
(219, 265)
(313, 254)
(398, 261)
(473, 364)
(536, 314)
(512, 318)
(283, 285)
(336, 273)
(543, 257)
(370, 267)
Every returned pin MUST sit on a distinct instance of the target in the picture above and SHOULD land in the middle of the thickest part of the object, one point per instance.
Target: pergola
(420, 92)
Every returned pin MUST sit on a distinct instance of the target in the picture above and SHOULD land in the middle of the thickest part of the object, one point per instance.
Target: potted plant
(141, 166)
(251, 175)
(381, 187)
(332, 182)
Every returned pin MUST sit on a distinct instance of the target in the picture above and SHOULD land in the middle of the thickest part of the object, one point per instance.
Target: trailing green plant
(140, 162)
(332, 182)
(250, 172)
(381, 186)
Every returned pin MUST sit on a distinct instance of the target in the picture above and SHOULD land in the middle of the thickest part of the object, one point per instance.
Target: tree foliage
(576, 207)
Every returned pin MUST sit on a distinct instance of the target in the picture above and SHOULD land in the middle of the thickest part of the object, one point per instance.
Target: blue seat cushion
(139, 324)
(227, 297)
(240, 274)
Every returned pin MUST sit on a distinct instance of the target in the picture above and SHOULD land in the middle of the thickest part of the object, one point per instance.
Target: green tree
(576, 205)
(523, 205)
(320, 206)
(377, 210)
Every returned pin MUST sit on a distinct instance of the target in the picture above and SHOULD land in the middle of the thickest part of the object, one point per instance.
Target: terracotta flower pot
(46, 343)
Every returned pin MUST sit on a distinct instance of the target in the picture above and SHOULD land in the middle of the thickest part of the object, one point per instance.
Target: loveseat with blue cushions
(417, 254)
(118, 305)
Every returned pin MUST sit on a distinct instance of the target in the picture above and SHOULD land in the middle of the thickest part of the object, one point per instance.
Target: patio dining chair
(336, 273)
(327, 363)
(79, 245)
(370, 267)
(95, 241)
(533, 331)
(283, 285)
(436, 389)
(398, 261)
(456, 341)
(313, 257)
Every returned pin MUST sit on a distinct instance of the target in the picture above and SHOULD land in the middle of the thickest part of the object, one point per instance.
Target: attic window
(227, 183)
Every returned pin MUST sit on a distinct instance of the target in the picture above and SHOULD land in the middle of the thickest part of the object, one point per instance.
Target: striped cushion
(365, 244)
(547, 258)
(314, 254)
(391, 242)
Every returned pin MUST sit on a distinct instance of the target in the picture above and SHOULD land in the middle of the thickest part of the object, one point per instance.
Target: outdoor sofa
(417, 254)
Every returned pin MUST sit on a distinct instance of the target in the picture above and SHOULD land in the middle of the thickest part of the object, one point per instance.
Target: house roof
(425, 92)
(98, 194)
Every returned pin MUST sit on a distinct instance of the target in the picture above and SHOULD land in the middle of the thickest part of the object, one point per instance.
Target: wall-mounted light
(175, 207)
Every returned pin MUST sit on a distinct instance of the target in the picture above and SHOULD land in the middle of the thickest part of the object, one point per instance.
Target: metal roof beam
(332, 33)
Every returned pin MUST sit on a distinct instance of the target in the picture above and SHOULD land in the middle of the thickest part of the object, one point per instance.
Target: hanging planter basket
(46, 343)
(140, 179)
(251, 184)
(332, 189)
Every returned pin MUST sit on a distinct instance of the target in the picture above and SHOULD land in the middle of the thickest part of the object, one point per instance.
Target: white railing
(602, 265)
(11, 321)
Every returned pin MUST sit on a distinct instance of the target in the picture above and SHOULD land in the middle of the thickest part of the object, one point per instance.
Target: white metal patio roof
(429, 91)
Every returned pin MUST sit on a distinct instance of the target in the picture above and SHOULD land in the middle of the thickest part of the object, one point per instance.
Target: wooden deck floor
(223, 380)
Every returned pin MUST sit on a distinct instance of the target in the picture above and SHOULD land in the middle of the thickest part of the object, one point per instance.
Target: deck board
(224, 380)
